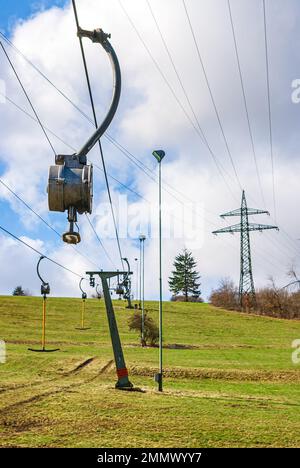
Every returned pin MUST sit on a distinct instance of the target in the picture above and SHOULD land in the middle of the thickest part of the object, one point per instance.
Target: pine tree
(18, 291)
(185, 278)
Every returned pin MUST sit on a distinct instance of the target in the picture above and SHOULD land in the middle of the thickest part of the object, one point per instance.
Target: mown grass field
(233, 385)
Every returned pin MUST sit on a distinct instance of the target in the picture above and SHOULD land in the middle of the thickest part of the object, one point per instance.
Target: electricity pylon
(246, 289)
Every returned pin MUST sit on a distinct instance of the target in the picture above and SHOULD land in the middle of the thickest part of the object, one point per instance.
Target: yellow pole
(44, 324)
(82, 313)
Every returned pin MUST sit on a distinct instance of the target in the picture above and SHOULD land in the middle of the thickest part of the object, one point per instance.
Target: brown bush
(278, 303)
(271, 301)
(180, 298)
(151, 331)
(226, 295)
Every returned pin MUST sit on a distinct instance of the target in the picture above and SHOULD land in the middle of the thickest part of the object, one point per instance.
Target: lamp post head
(159, 155)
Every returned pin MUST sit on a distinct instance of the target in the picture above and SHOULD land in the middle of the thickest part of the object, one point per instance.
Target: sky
(166, 103)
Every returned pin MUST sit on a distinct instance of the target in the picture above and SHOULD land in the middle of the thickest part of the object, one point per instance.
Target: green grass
(235, 387)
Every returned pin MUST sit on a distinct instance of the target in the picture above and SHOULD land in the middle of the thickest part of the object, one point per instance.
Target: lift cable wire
(23, 201)
(38, 252)
(65, 96)
(27, 96)
(114, 142)
(126, 186)
(21, 109)
(38, 120)
(100, 169)
(245, 102)
(198, 130)
(96, 125)
(211, 94)
(99, 240)
(269, 107)
(175, 70)
(43, 220)
(120, 147)
(117, 144)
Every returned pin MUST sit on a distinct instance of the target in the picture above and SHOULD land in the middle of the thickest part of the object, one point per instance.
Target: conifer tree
(185, 278)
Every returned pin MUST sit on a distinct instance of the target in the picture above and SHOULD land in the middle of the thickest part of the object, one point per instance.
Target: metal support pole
(160, 382)
(123, 381)
(159, 155)
(140, 288)
(137, 280)
(143, 293)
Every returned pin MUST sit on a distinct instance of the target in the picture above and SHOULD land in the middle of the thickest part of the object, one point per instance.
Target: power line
(65, 96)
(42, 219)
(27, 96)
(269, 106)
(114, 142)
(211, 94)
(199, 130)
(245, 102)
(126, 186)
(99, 240)
(96, 125)
(38, 252)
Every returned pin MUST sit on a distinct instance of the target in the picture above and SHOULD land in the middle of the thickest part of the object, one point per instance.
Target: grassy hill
(229, 379)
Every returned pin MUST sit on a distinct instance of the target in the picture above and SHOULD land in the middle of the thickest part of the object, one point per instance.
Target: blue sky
(16, 10)
(149, 116)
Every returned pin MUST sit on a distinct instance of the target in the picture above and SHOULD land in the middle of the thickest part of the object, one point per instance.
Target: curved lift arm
(84, 294)
(126, 283)
(70, 183)
(38, 269)
(99, 36)
(45, 287)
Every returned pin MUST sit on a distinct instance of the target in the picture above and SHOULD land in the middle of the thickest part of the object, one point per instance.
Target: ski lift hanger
(70, 183)
(45, 287)
(84, 294)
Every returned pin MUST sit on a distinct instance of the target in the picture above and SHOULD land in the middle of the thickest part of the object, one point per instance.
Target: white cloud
(149, 117)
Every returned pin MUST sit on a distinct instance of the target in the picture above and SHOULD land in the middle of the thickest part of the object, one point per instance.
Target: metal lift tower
(246, 289)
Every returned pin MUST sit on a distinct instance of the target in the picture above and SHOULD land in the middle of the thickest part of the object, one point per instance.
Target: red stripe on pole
(122, 372)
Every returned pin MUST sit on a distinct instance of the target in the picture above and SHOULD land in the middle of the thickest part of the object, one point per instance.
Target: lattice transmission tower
(246, 289)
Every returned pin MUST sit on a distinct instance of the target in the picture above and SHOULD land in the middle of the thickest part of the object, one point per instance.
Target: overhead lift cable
(120, 147)
(96, 125)
(269, 107)
(38, 252)
(112, 140)
(198, 130)
(126, 186)
(43, 220)
(27, 96)
(99, 240)
(211, 94)
(245, 102)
